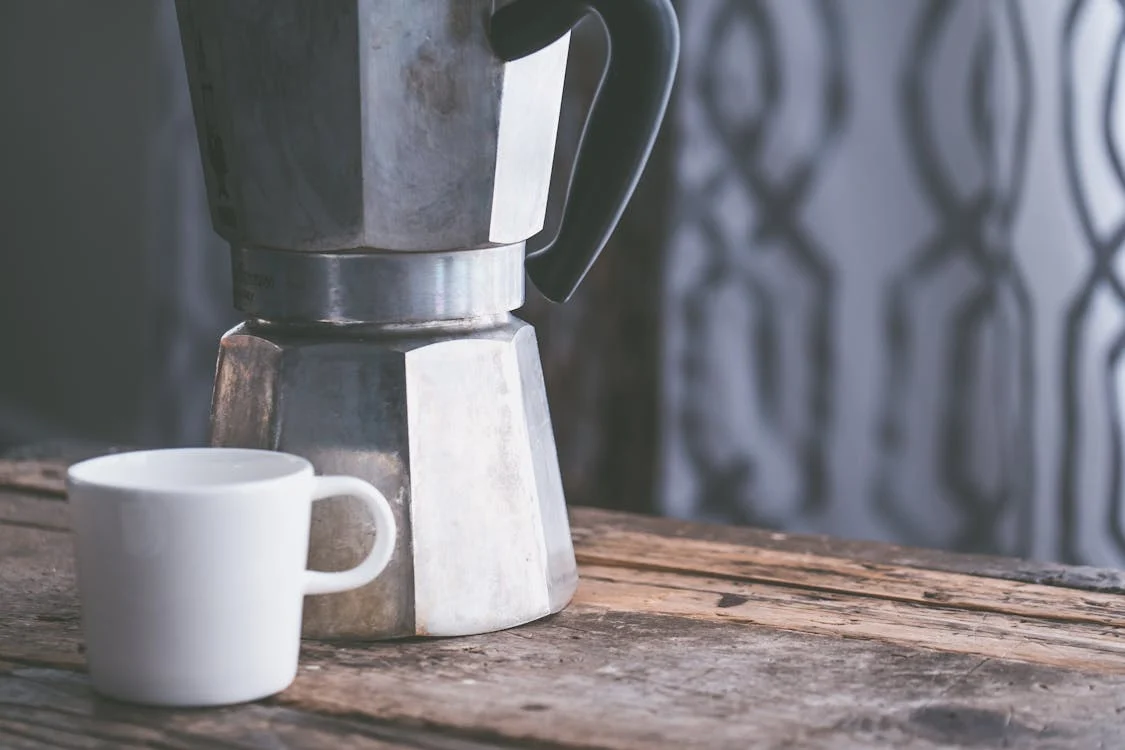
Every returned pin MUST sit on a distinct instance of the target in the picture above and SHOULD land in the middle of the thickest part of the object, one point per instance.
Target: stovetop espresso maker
(377, 166)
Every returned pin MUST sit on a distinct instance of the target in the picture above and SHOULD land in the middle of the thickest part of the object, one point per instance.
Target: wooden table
(681, 636)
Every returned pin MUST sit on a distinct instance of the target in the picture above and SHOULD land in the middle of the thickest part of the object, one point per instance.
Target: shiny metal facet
(344, 124)
(451, 424)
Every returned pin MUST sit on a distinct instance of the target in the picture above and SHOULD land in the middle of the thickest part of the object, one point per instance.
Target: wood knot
(968, 727)
(731, 600)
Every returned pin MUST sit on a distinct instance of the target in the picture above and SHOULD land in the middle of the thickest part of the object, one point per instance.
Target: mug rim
(111, 472)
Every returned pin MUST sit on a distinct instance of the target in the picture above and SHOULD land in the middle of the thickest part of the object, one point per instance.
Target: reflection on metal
(345, 124)
(452, 426)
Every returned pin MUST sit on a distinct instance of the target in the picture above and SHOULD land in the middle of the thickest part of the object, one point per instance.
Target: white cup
(191, 569)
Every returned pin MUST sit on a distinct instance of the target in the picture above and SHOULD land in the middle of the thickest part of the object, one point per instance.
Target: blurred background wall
(113, 289)
(869, 284)
(893, 305)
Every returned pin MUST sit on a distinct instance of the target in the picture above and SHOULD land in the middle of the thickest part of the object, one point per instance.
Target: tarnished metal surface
(378, 287)
(389, 124)
(452, 425)
(345, 414)
(336, 136)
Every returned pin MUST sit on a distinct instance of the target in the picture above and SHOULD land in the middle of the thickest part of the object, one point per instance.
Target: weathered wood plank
(590, 522)
(629, 682)
(831, 574)
(624, 680)
(1094, 649)
(46, 708)
(660, 649)
(39, 620)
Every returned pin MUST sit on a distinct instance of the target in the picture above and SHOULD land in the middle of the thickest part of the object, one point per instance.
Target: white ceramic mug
(191, 569)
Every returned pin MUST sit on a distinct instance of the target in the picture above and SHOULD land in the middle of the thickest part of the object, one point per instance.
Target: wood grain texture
(681, 636)
(835, 575)
(649, 691)
(592, 523)
(47, 708)
(1091, 649)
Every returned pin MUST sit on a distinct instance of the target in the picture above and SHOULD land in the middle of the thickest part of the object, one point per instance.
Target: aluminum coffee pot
(377, 166)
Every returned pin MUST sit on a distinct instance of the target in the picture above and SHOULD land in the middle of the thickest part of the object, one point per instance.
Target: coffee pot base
(451, 423)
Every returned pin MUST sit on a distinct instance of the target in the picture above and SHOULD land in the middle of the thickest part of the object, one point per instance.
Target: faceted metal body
(377, 169)
(389, 124)
(451, 424)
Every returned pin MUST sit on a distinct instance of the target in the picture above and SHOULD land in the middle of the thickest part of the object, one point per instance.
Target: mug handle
(321, 582)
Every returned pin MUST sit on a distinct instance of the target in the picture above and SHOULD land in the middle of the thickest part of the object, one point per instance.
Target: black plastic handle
(644, 45)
